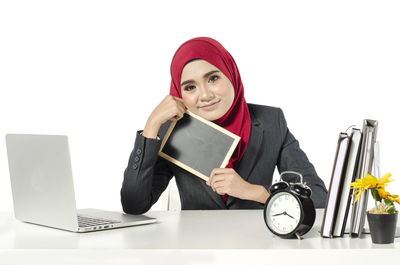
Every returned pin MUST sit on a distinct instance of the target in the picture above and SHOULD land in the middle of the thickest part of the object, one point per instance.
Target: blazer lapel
(250, 155)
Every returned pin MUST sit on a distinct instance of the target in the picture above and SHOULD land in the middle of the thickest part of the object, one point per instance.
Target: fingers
(175, 100)
(180, 107)
(217, 178)
(173, 107)
(220, 186)
(179, 102)
(170, 108)
(220, 191)
(178, 99)
(225, 181)
(219, 171)
(178, 115)
(180, 110)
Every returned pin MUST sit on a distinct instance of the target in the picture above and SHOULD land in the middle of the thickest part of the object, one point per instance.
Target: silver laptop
(43, 190)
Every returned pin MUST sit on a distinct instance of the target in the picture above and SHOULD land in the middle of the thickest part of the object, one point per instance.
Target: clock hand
(290, 215)
(279, 214)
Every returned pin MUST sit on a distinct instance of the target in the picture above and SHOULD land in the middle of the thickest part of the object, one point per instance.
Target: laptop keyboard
(86, 221)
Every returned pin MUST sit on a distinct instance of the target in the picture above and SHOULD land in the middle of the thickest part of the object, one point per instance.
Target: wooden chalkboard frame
(235, 138)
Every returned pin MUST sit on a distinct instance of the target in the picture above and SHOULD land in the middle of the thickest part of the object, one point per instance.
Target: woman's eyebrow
(204, 76)
(210, 73)
(187, 82)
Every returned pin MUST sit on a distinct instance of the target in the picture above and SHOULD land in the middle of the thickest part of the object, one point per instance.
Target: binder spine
(334, 192)
(370, 128)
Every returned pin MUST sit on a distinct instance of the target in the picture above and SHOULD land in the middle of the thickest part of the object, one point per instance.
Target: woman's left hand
(227, 181)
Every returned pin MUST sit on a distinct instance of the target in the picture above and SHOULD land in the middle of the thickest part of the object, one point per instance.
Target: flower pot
(382, 227)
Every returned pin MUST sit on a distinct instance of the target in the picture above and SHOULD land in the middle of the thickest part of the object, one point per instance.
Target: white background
(94, 70)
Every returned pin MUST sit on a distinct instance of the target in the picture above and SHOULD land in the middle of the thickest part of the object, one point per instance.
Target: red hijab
(237, 119)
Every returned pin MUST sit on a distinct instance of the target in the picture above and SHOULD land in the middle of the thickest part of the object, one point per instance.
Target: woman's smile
(210, 106)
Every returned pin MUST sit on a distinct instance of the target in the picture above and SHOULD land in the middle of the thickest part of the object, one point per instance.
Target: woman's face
(206, 91)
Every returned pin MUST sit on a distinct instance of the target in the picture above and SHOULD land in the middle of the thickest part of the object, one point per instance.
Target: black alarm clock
(289, 211)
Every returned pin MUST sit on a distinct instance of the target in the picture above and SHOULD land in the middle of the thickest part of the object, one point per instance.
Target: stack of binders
(353, 160)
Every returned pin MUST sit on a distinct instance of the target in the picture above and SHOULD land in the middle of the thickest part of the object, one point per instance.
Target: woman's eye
(189, 88)
(213, 78)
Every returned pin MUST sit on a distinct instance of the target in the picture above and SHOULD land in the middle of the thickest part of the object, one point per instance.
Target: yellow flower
(370, 182)
(382, 193)
(360, 185)
(386, 195)
(378, 192)
(394, 198)
(367, 182)
(358, 192)
(382, 182)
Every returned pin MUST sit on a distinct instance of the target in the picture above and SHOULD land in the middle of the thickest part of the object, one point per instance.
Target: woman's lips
(211, 106)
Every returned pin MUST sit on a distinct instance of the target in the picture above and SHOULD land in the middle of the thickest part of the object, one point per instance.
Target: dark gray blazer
(270, 144)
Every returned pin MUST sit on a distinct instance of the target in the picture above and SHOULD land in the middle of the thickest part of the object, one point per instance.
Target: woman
(206, 81)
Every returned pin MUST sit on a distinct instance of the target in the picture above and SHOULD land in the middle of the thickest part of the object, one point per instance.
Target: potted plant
(382, 219)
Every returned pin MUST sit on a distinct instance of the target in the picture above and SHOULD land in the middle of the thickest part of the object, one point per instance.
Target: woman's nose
(206, 94)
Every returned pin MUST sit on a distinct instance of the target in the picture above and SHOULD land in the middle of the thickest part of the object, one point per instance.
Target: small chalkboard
(198, 145)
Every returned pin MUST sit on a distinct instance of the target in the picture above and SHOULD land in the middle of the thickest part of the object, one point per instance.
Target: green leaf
(375, 195)
(388, 202)
(391, 209)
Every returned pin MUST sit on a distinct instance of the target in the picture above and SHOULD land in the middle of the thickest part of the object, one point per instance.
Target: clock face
(283, 213)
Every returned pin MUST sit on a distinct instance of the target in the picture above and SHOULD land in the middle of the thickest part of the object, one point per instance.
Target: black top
(270, 144)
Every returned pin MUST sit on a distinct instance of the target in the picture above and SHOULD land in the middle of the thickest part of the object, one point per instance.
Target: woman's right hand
(170, 108)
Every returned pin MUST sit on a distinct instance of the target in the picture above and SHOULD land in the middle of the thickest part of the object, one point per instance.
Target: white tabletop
(206, 233)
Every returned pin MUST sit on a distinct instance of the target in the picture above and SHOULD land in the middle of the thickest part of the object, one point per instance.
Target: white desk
(187, 237)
